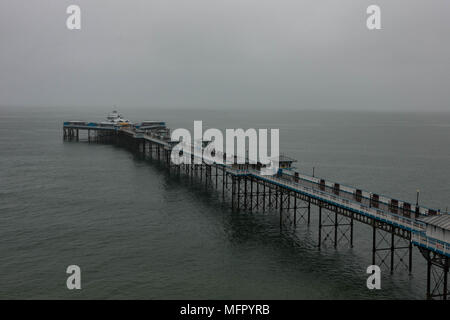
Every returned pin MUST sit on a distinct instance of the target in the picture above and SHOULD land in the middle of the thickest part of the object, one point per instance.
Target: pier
(397, 226)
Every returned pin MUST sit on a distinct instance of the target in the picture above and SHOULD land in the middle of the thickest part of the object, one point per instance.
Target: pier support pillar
(264, 197)
(334, 228)
(238, 193)
(223, 184)
(437, 275)
(281, 207)
(391, 247)
(351, 232)
(295, 210)
(309, 210)
(290, 211)
(233, 192)
(257, 195)
(217, 177)
(245, 193)
(320, 226)
(270, 197)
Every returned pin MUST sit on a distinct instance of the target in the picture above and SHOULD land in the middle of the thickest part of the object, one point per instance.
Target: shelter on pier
(438, 227)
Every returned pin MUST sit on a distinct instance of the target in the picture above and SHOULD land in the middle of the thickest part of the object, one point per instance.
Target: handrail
(351, 190)
(380, 214)
(431, 243)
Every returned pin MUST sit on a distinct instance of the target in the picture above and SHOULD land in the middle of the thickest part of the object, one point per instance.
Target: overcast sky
(296, 54)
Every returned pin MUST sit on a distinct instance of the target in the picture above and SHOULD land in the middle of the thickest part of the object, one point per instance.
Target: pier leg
(257, 194)
(437, 274)
(374, 241)
(320, 226)
(392, 251)
(276, 198)
(295, 211)
(351, 232)
(245, 193)
(429, 277)
(309, 210)
(251, 194)
(281, 208)
(410, 257)
(391, 247)
(288, 201)
(233, 192)
(335, 228)
(223, 184)
(446, 267)
(264, 197)
(238, 192)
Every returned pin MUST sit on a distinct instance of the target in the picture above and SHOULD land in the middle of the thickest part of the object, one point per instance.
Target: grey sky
(226, 54)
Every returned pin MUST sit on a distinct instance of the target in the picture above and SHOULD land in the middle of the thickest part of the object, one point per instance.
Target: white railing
(352, 190)
(408, 223)
(431, 243)
(155, 138)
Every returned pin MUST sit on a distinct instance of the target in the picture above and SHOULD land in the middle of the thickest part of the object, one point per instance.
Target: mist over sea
(137, 231)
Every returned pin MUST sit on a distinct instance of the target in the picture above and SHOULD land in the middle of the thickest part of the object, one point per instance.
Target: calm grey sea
(138, 232)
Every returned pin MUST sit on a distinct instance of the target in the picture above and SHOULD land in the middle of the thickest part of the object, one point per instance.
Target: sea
(137, 231)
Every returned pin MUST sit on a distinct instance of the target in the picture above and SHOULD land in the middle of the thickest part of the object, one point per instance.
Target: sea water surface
(136, 231)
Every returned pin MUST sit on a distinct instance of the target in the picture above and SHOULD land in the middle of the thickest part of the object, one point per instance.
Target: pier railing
(419, 238)
(364, 194)
(397, 220)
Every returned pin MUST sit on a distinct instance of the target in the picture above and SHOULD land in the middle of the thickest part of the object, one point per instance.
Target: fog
(219, 54)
